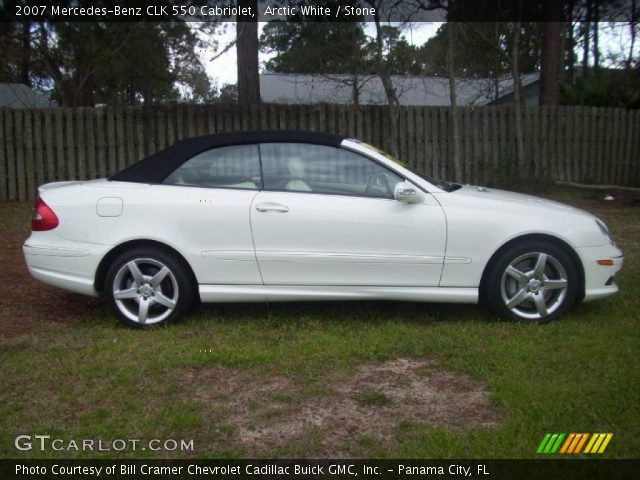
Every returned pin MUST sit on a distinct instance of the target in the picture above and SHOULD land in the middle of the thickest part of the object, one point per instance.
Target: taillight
(43, 217)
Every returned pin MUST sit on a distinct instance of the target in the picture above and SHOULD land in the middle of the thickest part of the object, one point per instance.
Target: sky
(614, 40)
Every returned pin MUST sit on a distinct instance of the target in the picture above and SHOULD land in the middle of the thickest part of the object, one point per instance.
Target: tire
(149, 287)
(533, 282)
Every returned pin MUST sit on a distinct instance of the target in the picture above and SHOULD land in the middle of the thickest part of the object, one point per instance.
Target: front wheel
(534, 282)
(147, 287)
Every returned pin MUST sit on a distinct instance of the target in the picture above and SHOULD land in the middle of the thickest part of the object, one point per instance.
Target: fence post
(3, 169)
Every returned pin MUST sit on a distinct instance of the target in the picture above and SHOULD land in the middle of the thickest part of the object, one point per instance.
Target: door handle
(271, 207)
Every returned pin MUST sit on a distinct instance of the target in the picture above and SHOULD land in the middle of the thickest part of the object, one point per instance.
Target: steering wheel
(378, 186)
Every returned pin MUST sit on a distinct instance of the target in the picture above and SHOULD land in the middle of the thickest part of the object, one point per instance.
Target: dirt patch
(266, 413)
(25, 303)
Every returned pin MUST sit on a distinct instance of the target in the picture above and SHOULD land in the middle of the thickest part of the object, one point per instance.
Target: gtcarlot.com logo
(46, 442)
(574, 443)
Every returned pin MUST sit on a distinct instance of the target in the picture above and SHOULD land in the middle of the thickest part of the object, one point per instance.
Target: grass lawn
(249, 379)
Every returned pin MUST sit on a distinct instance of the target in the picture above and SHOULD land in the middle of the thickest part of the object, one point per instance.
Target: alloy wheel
(145, 290)
(534, 285)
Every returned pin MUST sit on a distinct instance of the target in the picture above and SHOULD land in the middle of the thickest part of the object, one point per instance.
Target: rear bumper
(600, 279)
(69, 266)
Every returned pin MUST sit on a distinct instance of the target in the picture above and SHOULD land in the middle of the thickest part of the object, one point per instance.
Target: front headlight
(605, 231)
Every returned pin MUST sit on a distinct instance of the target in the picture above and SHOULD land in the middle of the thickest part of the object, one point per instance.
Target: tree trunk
(247, 51)
(453, 100)
(88, 99)
(633, 23)
(596, 39)
(65, 96)
(387, 84)
(586, 41)
(570, 45)
(355, 89)
(517, 107)
(551, 58)
(497, 67)
(25, 61)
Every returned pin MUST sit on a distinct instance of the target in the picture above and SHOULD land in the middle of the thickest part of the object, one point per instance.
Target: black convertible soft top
(156, 167)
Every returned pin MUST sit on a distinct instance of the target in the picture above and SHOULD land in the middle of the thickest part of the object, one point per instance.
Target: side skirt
(285, 293)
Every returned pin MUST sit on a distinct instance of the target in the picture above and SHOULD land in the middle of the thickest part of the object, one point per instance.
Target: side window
(321, 169)
(236, 166)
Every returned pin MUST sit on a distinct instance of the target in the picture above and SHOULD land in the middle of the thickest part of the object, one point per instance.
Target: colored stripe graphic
(567, 443)
(581, 443)
(557, 444)
(598, 443)
(605, 443)
(543, 443)
(550, 443)
(574, 443)
(591, 442)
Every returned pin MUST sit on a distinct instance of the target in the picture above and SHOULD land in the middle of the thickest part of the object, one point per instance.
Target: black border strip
(291, 10)
(542, 468)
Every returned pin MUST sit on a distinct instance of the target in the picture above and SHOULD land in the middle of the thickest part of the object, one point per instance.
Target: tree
(483, 51)
(400, 57)
(336, 51)
(633, 24)
(247, 50)
(570, 43)
(228, 93)
(453, 109)
(551, 61)
(314, 47)
(16, 47)
(517, 90)
(596, 34)
(381, 65)
(88, 63)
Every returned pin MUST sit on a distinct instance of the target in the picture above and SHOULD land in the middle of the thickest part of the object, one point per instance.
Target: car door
(205, 206)
(327, 216)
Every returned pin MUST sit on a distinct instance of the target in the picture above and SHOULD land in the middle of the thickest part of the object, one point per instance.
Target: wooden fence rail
(574, 144)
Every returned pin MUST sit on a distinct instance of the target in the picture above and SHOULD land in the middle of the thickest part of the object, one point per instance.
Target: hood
(510, 200)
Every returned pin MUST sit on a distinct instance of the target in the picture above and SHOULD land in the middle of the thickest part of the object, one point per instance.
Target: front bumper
(599, 279)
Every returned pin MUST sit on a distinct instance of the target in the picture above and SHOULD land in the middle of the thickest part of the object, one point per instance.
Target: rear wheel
(147, 287)
(534, 282)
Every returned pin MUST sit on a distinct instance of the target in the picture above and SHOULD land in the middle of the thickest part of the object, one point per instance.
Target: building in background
(18, 95)
(411, 90)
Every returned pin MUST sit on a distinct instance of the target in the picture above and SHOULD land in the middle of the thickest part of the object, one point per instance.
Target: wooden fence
(578, 144)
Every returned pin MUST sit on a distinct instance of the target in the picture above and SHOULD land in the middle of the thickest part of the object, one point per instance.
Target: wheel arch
(558, 242)
(112, 254)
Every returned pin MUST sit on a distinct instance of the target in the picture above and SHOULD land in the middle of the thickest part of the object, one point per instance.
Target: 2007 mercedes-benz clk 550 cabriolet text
(285, 215)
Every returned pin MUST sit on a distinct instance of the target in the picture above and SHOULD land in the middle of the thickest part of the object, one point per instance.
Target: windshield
(441, 184)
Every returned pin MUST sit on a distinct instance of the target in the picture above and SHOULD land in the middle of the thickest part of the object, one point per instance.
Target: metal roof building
(18, 95)
(411, 90)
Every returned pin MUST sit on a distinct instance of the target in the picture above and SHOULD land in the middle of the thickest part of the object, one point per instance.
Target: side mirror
(406, 192)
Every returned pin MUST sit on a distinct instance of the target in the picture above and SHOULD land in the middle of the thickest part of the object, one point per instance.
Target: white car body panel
(324, 247)
(342, 240)
(266, 293)
(493, 218)
(62, 263)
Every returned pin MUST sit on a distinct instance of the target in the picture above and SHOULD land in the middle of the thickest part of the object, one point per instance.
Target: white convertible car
(282, 215)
